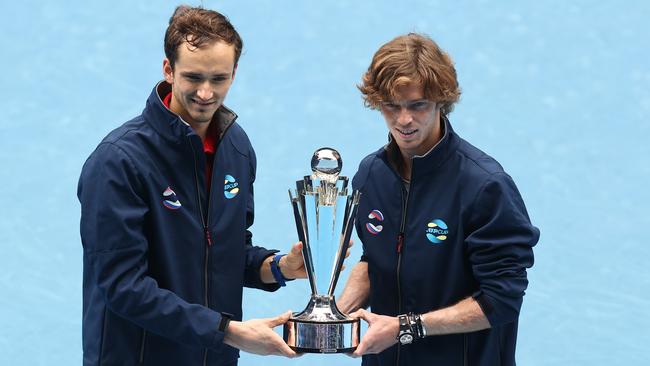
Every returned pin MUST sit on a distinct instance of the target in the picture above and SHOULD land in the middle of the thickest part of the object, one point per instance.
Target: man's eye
(192, 78)
(419, 106)
(391, 106)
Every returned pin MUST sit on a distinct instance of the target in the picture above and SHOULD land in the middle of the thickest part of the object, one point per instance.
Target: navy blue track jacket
(162, 260)
(464, 231)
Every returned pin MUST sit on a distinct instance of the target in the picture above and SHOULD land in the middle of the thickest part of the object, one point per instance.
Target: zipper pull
(208, 237)
(400, 242)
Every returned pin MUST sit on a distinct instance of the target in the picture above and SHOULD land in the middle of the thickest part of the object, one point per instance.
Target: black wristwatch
(405, 335)
(225, 319)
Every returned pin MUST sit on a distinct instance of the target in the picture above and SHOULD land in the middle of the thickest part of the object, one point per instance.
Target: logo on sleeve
(231, 187)
(437, 231)
(377, 217)
(170, 200)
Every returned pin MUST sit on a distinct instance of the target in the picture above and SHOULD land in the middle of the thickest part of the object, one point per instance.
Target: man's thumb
(280, 319)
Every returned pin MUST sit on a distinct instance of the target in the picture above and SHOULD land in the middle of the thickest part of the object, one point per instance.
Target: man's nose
(404, 116)
(205, 92)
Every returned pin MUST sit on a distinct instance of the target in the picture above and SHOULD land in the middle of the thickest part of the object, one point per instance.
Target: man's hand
(381, 334)
(292, 265)
(257, 336)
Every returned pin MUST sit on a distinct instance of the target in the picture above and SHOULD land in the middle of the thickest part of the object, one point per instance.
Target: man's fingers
(296, 248)
(280, 319)
(359, 314)
(360, 350)
(276, 345)
(350, 244)
(286, 351)
(282, 348)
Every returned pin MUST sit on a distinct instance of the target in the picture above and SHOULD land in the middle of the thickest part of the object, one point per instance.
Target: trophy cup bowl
(324, 213)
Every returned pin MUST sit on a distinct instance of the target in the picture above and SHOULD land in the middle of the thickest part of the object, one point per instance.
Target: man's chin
(201, 118)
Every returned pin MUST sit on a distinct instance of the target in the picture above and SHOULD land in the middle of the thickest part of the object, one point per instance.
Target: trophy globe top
(326, 164)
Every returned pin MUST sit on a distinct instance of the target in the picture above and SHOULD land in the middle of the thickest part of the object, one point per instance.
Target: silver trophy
(325, 214)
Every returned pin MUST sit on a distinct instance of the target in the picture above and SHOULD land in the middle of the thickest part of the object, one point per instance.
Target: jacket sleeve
(115, 254)
(499, 245)
(255, 255)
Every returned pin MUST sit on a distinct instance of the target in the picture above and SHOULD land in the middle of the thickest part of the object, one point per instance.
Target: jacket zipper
(400, 245)
(205, 219)
(144, 340)
(207, 236)
(104, 337)
(465, 361)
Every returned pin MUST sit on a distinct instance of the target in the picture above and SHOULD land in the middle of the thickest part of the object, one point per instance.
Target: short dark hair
(411, 58)
(199, 27)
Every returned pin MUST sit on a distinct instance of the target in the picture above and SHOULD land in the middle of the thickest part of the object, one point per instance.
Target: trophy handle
(298, 213)
(350, 213)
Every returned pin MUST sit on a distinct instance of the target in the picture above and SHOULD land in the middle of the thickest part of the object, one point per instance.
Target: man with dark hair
(446, 236)
(166, 203)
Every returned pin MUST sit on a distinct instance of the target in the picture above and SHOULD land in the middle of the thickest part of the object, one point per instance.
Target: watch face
(406, 338)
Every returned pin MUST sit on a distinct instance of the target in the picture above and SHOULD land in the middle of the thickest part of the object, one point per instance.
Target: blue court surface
(557, 91)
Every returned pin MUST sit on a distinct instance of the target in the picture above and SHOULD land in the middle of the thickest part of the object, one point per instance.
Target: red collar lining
(210, 141)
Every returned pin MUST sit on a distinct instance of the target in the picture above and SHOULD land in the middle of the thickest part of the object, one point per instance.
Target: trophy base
(322, 328)
(305, 336)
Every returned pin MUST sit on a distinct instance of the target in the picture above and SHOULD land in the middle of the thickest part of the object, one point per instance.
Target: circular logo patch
(437, 231)
(377, 217)
(231, 187)
(170, 200)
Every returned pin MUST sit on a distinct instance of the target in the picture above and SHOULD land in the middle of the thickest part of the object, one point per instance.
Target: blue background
(557, 91)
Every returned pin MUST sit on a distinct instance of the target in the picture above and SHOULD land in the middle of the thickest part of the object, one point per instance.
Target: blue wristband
(275, 270)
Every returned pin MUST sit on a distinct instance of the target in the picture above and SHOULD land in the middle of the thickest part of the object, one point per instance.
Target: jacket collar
(170, 125)
(429, 162)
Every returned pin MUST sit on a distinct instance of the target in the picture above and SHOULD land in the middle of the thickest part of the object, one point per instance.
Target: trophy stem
(350, 215)
(299, 215)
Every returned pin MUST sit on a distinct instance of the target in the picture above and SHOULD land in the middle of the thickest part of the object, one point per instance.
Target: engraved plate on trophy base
(321, 328)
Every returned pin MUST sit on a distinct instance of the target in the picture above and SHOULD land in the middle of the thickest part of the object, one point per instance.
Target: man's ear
(234, 71)
(168, 71)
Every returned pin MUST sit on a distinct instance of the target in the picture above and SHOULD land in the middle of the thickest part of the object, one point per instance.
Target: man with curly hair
(445, 233)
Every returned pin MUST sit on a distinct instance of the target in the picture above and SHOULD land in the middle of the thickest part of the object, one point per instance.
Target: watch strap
(275, 270)
(419, 326)
(225, 320)
(406, 334)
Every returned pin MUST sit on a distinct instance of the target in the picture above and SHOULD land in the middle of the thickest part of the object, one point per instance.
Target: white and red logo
(377, 217)
(170, 200)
